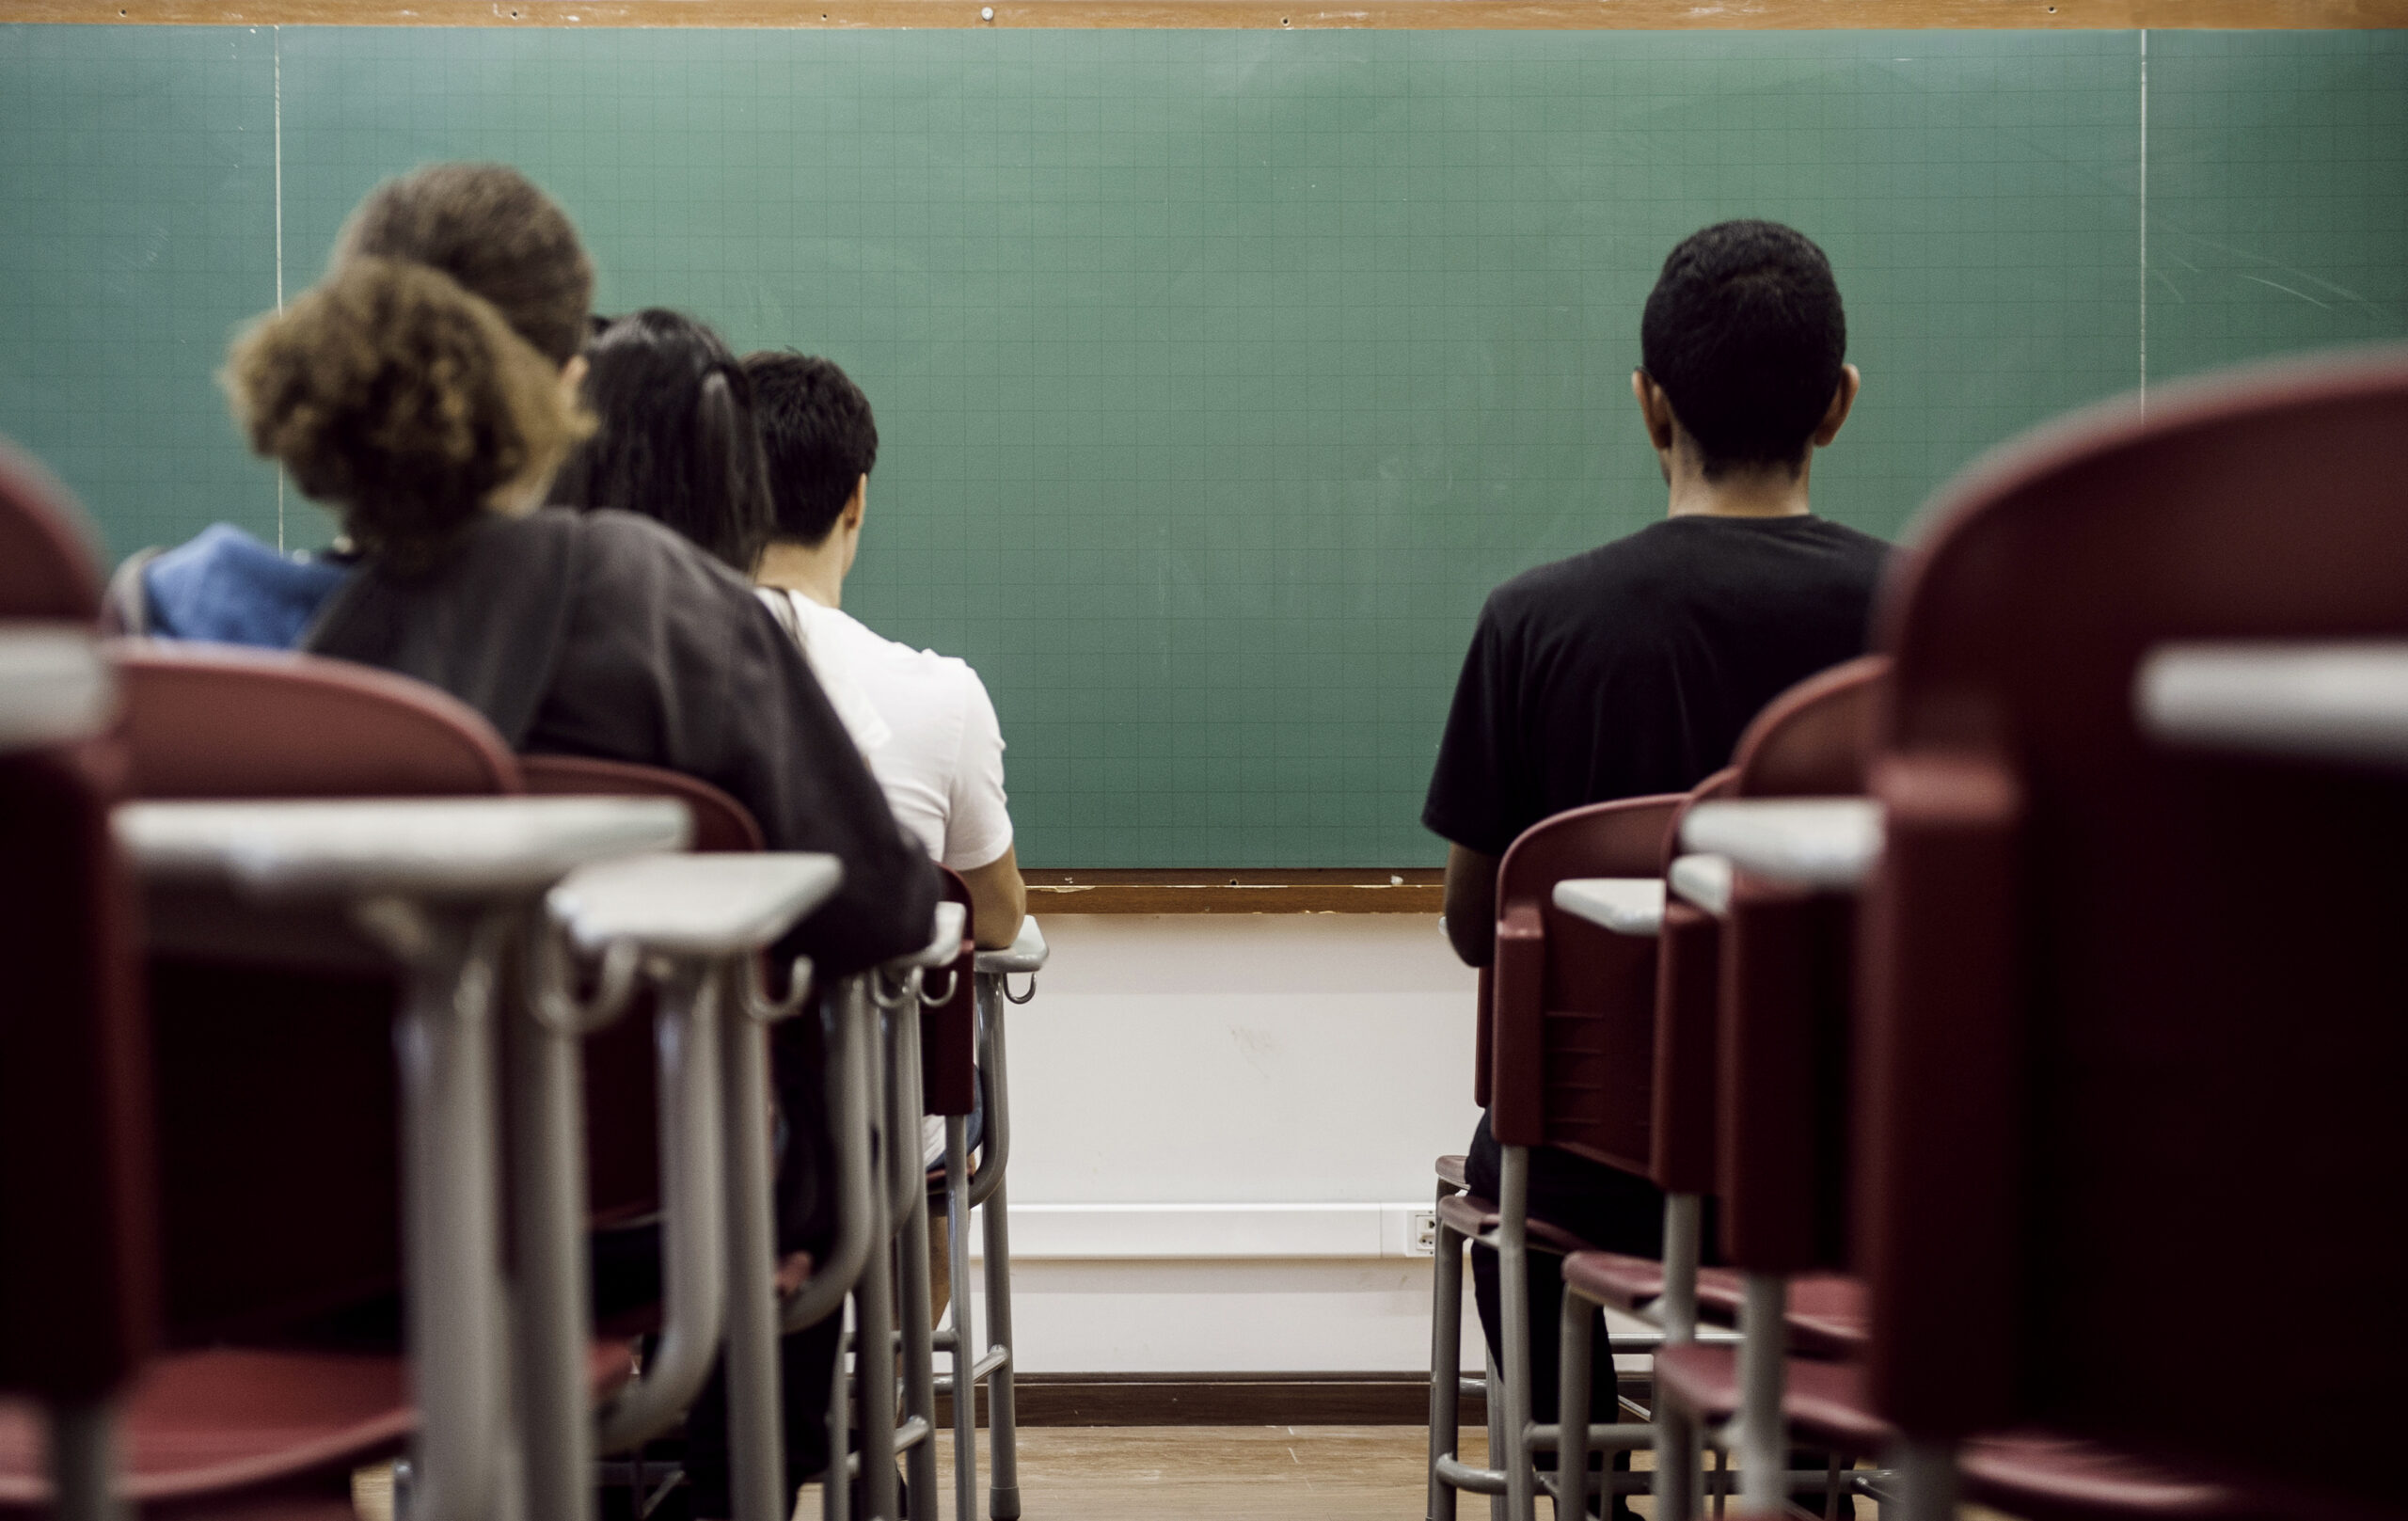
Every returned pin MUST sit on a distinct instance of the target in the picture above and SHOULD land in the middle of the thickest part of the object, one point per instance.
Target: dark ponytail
(677, 441)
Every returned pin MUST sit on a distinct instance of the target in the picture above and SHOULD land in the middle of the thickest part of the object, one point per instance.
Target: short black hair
(677, 440)
(819, 436)
(1745, 333)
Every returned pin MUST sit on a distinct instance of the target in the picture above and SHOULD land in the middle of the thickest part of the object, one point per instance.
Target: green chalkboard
(1219, 374)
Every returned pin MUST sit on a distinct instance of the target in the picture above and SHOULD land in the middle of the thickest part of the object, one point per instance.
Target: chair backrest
(949, 1031)
(2127, 1004)
(1786, 1004)
(216, 720)
(278, 1108)
(721, 823)
(1572, 1045)
(46, 566)
(79, 1273)
(621, 1077)
(1688, 1000)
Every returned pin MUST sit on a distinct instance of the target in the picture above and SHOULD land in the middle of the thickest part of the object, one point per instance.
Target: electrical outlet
(1421, 1233)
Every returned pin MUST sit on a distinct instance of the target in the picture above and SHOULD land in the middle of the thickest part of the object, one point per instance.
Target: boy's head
(492, 230)
(1745, 335)
(820, 439)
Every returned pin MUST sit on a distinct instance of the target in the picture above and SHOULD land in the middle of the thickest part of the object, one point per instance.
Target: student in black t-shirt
(1632, 668)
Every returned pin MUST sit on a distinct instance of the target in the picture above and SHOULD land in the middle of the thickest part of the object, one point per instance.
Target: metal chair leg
(965, 1346)
(1513, 1273)
(1496, 1402)
(1926, 1481)
(82, 1464)
(1679, 1461)
(873, 1313)
(919, 1361)
(1445, 1363)
(756, 1438)
(836, 1488)
(1679, 1456)
(1764, 1450)
(545, 1155)
(1003, 1430)
(1572, 1409)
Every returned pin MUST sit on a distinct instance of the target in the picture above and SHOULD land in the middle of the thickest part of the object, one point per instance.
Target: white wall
(1220, 1124)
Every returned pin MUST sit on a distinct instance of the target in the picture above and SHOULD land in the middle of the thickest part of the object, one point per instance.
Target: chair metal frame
(990, 982)
(1509, 1047)
(886, 1332)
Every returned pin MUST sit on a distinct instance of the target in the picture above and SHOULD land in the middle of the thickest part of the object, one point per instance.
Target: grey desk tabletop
(1809, 842)
(1625, 905)
(431, 847)
(2328, 701)
(692, 905)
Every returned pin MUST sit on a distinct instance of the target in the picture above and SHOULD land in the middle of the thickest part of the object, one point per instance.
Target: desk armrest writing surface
(1704, 880)
(1625, 905)
(944, 945)
(54, 686)
(1026, 953)
(473, 847)
(1824, 842)
(2332, 702)
(714, 905)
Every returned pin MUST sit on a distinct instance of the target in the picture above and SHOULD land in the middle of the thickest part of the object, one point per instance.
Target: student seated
(682, 435)
(1633, 667)
(767, 466)
(923, 720)
(583, 634)
(404, 399)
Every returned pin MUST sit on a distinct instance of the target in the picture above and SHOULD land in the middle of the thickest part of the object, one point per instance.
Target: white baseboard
(1206, 1232)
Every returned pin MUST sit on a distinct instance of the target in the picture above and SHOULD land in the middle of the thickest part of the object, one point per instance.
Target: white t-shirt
(923, 722)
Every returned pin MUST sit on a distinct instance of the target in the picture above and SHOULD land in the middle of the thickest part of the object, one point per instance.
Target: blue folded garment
(227, 587)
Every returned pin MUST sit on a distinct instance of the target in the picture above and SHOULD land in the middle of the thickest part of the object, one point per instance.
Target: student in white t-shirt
(922, 720)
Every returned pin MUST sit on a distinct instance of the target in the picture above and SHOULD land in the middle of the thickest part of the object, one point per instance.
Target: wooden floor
(1215, 1473)
(1210, 1473)
(1234, 1473)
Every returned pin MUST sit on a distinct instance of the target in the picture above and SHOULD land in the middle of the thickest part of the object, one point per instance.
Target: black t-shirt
(1633, 667)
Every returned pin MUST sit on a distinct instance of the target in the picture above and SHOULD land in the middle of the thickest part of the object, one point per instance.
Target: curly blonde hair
(392, 393)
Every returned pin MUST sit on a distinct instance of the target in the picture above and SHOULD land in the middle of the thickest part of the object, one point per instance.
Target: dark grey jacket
(605, 634)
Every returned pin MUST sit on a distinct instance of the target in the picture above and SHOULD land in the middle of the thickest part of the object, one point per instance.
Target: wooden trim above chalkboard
(1327, 890)
(1272, 15)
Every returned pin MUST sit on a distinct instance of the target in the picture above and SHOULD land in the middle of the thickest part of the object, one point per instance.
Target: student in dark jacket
(582, 634)
(1633, 667)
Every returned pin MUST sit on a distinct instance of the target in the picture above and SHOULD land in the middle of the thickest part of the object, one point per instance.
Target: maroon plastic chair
(1776, 1103)
(622, 1076)
(1570, 1010)
(78, 1279)
(276, 1105)
(1782, 1103)
(2132, 1020)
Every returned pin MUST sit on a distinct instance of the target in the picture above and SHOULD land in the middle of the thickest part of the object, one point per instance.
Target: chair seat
(1825, 1401)
(2037, 1475)
(225, 1424)
(1611, 1278)
(1455, 1171)
(1468, 1214)
(2046, 1476)
(1827, 1310)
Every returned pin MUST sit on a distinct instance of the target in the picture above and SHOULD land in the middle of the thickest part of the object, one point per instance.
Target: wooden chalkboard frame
(1540, 15)
(1326, 890)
